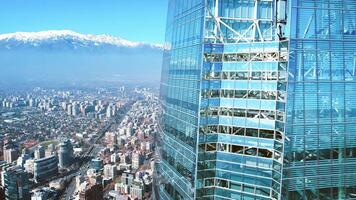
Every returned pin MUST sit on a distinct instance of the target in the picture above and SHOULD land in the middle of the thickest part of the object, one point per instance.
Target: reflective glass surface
(259, 100)
(321, 112)
(180, 90)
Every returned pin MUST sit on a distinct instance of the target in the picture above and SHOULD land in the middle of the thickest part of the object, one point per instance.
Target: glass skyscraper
(16, 183)
(259, 100)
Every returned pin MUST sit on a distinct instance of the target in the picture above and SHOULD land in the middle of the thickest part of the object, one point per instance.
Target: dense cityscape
(235, 100)
(78, 143)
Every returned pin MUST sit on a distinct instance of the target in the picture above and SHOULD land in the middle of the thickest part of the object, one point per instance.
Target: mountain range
(67, 56)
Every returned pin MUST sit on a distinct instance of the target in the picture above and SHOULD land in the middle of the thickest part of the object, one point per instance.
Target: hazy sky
(137, 20)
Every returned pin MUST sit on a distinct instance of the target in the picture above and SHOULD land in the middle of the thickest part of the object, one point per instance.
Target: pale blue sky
(137, 20)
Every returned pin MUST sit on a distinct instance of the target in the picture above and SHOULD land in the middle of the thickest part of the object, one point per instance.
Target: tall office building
(69, 109)
(10, 155)
(259, 100)
(23, 158)
(50, 150)
(16, 184)
(10, 151)
(109, 171)
(65, 154)
(111, 139)
(39, 152)
(45, 168)
(137, 160)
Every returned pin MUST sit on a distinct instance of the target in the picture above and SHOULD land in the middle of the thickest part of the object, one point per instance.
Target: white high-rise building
(109, 171)
(114, 158)
(108, 111)
(10, 155)
(69, 109)
(32, 103)
(135, 160)
(39, 152)
(111, 138)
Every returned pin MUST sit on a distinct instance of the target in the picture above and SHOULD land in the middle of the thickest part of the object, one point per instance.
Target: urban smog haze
(60, 56)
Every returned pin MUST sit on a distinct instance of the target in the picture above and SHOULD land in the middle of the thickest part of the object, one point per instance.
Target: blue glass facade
(45, 168)
(180, 94)
(258, 100)
(16, 183)
(320, 150)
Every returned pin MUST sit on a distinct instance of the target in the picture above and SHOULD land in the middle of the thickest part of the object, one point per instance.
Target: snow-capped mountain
(56, 56)
(57, 39)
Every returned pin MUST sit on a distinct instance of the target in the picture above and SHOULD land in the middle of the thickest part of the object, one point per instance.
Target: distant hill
(59, 56)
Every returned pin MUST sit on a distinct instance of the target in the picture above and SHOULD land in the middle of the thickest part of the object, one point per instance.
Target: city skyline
(77, 142)
(79, 106)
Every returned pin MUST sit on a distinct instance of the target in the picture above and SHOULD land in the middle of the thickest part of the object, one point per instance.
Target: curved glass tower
(258, 99)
